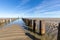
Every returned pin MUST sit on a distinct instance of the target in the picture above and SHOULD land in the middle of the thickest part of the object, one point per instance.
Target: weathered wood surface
(13, 32)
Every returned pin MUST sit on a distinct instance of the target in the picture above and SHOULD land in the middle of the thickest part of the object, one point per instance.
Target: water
(19, 22)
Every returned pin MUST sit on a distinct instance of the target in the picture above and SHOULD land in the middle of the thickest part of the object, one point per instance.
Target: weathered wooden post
(42, 27)
(30, 23)
(10, 20)
(58, 38)
(37, 26)
(23, 19)
(26, 21)
(34, 25)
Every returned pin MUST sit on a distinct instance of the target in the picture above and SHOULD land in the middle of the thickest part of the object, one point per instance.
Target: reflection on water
(6, 22)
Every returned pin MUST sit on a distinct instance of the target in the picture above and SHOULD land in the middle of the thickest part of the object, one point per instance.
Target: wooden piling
(30, 23)
(42, 27)
(34, 25)
(58, 38)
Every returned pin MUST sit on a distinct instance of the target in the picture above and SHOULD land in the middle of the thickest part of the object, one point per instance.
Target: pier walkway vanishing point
(13, 31)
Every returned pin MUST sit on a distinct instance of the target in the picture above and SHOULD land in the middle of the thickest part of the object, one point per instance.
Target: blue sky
(30, 8)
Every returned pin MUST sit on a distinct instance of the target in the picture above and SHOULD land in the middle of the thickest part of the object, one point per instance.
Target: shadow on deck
(30, 35)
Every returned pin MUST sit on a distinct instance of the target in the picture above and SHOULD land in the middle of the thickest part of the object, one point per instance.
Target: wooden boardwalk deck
(13, 32)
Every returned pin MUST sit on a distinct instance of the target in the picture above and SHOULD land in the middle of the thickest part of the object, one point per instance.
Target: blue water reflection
(18, 22)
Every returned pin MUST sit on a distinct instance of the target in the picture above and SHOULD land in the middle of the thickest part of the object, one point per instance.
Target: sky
(30, 8)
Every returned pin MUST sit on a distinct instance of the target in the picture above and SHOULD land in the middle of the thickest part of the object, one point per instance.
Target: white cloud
(52, 13)
(42, 9)
(22, 3)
